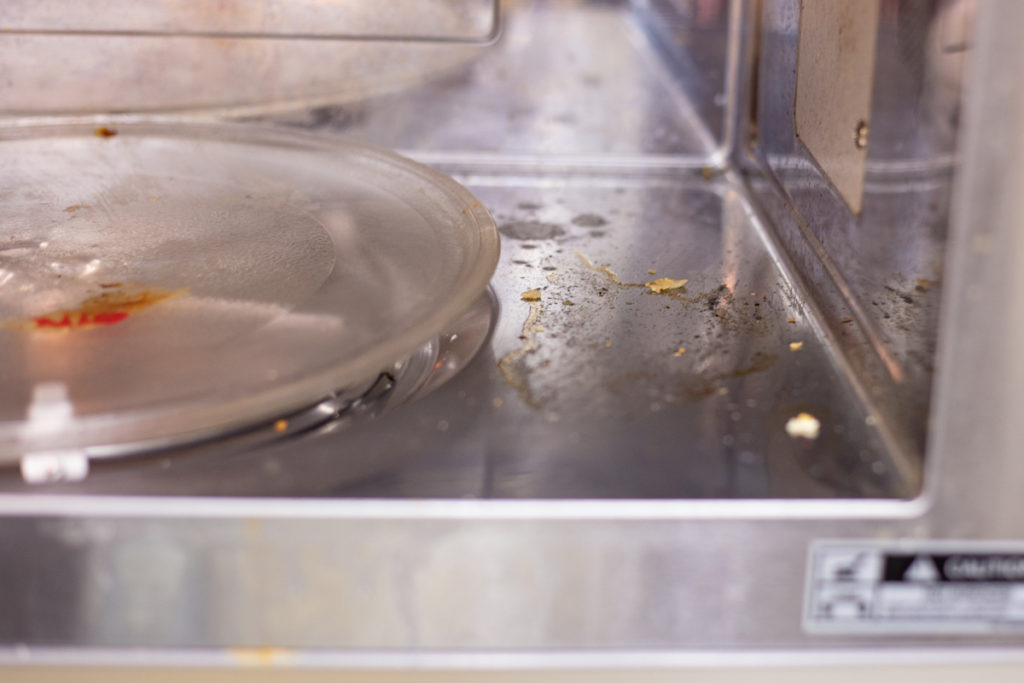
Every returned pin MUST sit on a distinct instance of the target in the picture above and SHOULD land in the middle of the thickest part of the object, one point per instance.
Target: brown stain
(512, 365)
(675, 293)
(709, 386)
(758, 363)
(104, 132)
(694, 388)
(106, 308)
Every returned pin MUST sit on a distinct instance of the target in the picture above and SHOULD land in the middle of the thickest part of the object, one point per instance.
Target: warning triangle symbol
(922, 569)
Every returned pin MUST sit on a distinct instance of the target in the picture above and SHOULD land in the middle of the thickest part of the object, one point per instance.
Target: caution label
(866, 587)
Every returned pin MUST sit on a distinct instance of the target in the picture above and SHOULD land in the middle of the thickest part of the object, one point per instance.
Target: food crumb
(104, 132)
(664, 284)
(846, 320)
(791, 321)
(76, 207)
(280, 426)
(568, 303)
(922, 285)
(680, 351)
(652, 272)
(608, 345)
(531, 295)
(538, 328)
(707, 173)
(804, 426)
(796, 346)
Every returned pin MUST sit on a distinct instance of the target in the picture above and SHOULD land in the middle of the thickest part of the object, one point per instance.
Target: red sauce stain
(108, 308)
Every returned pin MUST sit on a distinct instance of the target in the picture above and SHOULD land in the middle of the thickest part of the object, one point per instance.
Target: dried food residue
(803, 426)
(665, 284)
(680, 351)
(511, 364)
(107, 308)
(104, 132)
(796, 346)
(530, 295)
(660, 286)
(606, 270)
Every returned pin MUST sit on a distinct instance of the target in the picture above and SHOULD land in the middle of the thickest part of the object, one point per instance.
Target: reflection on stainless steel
(582, 483)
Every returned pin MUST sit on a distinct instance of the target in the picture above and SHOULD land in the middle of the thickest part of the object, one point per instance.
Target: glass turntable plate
(165, 282)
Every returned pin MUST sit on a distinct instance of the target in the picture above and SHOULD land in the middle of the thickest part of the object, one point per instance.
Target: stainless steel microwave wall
(613, 471)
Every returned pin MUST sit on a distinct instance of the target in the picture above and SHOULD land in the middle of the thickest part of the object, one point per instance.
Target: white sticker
(918, 587)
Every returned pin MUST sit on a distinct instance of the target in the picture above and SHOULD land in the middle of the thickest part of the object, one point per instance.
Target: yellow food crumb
(652, 272)
(280, 426)
(664, 284)
(804, 426)
(568, 303)
(791, 321)
(846, 320)
(796, 346)
(680, 351)
(531, 295)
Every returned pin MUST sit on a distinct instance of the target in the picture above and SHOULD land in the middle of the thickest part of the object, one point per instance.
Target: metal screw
(860, 135)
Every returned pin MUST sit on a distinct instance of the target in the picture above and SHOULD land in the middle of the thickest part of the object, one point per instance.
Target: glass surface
(164, 282)
(451, 20)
